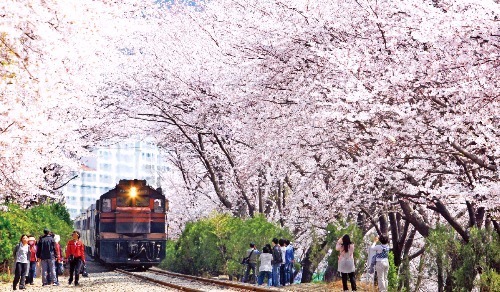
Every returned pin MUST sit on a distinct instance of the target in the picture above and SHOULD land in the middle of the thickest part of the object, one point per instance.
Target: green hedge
(216, 245)
(17, 221)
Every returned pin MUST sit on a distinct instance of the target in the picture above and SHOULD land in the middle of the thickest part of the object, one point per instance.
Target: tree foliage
(216, 245)
(18, 220)
(300, 111)
(457, 262)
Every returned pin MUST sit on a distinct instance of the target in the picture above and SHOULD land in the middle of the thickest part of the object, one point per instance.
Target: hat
(57, 238)
(46, 231)
(32, 238)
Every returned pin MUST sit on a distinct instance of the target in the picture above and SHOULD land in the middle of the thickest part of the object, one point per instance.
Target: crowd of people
(276, 263)
(277, 259)
(47, 252)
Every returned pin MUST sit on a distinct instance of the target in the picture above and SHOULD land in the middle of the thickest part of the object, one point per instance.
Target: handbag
(246, 260)
(83, 271)
(59, 269)
(71, 258)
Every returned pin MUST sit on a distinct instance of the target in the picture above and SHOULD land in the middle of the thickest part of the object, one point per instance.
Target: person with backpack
(276, 262)
(346, 261)
(250, 261)
(381, 258)
(22, 256)
(75, 256)
(46, 254)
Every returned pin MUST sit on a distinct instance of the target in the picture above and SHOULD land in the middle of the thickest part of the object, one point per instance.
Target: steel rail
(182, 288)
(212, 281)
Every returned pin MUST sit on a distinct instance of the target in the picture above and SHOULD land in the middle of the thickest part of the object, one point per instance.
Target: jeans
(262, 274)
(352, 279)
(20, 274)
(48, 271)
(32, 273)
(74, 268)
(56, 277)
(250, 266)
(282, 275)
(289, 273)
(382, 268)
(276, 275)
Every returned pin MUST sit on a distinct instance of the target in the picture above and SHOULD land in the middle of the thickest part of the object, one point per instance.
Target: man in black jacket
(276, 262)
(45, 253)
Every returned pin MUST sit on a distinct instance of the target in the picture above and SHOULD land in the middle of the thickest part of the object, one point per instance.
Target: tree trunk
(440, 276)
(314, 254)
(330, 274)
(420, 271)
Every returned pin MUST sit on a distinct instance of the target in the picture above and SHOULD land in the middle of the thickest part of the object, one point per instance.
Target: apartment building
(126, 160)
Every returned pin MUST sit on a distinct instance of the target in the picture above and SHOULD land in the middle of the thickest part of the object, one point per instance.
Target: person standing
(382, 261)
(75, 255)
(289, 260)
(33, 260)
(45, 254)
(346, 261)
(22, 255)
(252, 255)
(281, 242)
(276, 262)
(57, 258)
(265, 267)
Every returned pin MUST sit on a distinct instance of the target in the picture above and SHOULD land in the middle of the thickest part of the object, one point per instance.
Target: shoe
(55, 284)
(69, 282)
(77, 284)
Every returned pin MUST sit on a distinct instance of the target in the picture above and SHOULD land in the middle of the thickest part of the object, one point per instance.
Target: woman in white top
(382, 261)
(22, 256)
(265, 268)
(346, 261)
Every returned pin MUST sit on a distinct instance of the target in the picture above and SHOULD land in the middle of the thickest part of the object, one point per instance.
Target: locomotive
(126, 226)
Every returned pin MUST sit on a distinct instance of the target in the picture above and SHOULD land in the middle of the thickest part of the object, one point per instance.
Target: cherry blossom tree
(305, 111)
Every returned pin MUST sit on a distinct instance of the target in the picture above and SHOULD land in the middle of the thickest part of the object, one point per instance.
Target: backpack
(383, 255)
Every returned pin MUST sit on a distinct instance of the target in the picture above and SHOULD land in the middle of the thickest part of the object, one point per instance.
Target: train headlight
(133, 192)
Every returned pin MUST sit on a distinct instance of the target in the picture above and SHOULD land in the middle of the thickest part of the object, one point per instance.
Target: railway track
(191, 283)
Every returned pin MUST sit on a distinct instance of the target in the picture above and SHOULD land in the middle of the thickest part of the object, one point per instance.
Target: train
(126, 226)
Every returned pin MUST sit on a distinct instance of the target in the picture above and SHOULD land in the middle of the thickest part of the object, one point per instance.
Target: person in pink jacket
(346, 261)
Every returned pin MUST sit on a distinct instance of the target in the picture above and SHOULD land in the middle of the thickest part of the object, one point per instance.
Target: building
(127, 160)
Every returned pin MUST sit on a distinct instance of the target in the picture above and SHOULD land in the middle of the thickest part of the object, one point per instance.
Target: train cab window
(106, 205)
(138, 201)
(158, 206)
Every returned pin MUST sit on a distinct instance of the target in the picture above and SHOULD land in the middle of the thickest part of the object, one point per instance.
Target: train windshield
(138, 201)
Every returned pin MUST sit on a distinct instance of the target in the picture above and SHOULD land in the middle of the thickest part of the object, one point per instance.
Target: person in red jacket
(33, 260)
(58, 257)
(75, 255)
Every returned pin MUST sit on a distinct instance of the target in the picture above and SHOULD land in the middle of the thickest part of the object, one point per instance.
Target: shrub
(17, 221)
(461, 261)
(216, 245)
